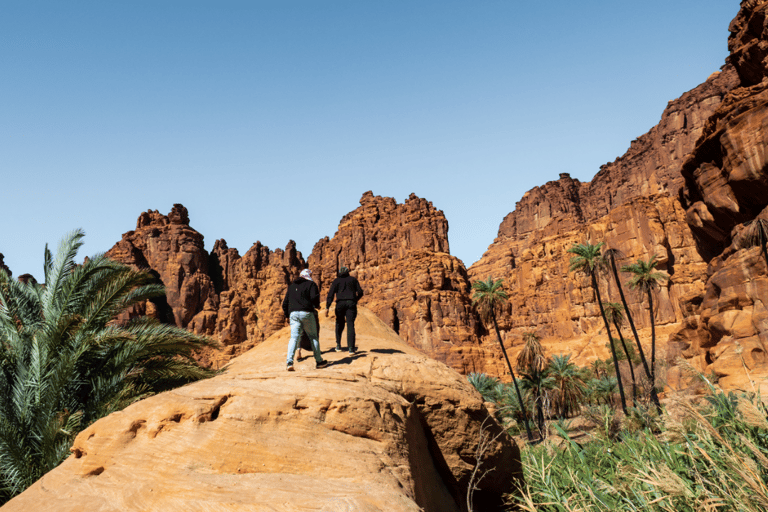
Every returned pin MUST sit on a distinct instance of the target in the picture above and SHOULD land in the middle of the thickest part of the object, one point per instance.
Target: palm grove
(555, 387)
(66, 360)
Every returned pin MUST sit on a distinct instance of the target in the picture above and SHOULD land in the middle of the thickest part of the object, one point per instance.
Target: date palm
(531, 359)
(588, 259)
(65, 361)
(488, 295)
(614, 312)
(646, 279)
(569, 384)
(612, 255)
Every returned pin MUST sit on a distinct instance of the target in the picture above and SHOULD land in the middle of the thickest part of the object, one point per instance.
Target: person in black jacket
(347, 291)
(301, 300)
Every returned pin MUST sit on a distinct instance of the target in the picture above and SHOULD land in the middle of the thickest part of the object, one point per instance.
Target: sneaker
(352, 351)
(338, 348)
(321, 364)
(290, 368)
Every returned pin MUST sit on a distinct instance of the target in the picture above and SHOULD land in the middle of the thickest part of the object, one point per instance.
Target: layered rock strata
(400, 255)
(234, 299)
(726, 190)
(387, 430)
(632, 206)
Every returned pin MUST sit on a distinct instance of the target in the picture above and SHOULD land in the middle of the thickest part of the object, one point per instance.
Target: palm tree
(569, 384)
(756, 233)
(532, 360)
(487, 296)
(614, 312)
(612, 255)
(590, 261)
(65, 361)
(646, 279)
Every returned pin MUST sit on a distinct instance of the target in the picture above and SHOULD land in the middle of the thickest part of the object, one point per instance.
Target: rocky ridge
(386, 430)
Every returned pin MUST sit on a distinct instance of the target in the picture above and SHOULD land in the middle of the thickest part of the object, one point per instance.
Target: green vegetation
(588, 260)
(487, 297)
(65, 359)
(646, 280)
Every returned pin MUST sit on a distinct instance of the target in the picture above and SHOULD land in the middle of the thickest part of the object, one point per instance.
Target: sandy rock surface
(387, 429)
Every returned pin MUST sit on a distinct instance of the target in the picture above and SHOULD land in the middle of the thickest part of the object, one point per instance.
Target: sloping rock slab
(384, 430)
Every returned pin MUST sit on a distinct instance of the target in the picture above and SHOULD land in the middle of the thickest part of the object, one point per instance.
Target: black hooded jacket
(302, 295)
(344, 287)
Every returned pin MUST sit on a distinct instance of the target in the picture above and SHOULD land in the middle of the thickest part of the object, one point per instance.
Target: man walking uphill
(299, 304)
(347, 291)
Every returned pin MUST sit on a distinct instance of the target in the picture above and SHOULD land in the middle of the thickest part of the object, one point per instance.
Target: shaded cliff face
(726, 187)
(399, 253)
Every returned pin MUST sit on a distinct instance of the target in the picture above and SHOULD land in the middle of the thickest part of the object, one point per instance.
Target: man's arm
(331, 294)
(358, 291)
(285, 305)
(314, 295)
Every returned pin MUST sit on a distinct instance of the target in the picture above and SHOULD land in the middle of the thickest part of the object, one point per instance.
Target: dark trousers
(346, 312)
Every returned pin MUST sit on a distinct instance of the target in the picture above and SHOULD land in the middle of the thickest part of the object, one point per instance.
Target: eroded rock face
(399, 253)
(250, 292)
(726, 187)
(388, 430)
(632, 206)
(174, 252)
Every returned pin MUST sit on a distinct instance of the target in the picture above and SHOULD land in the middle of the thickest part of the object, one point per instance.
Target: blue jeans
(303, 321)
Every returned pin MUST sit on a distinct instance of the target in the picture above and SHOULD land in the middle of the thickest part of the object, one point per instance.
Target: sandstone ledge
(386, 429)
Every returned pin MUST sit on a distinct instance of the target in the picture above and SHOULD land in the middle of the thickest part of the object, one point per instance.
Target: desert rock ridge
(387, 429)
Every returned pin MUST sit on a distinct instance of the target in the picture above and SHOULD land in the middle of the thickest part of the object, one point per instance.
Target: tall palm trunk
(640, 351)
(514, 380)
(653, 340)
(610, 342)
(629, 361)
(629, 318)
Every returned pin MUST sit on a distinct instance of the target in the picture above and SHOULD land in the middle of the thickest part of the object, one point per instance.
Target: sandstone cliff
(726, 187)
(231, 298)
(400, 255)
(386, 430)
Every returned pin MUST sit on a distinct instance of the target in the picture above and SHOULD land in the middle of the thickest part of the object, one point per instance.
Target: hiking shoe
(321, 364)
(289, 368)
(338, 348)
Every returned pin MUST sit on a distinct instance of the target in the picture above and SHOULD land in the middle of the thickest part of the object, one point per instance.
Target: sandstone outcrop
(234, 299)
(386, 430)
(632, 205)
(726, 187)
(400, 255)
(174, 252)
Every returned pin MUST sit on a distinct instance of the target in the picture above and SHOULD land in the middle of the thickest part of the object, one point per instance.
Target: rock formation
(386, 430)
(231, 298)
(400, 255)
(726, 187)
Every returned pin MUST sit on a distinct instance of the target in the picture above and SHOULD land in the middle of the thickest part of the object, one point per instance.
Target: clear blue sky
(269, 119)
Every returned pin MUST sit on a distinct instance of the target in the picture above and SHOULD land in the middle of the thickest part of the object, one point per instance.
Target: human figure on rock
(301, 300)
(347, 291)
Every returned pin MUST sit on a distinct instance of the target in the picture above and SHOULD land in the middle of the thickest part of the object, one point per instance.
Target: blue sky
(268, 120)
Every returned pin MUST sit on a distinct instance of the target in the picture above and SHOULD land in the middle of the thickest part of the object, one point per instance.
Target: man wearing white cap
(301, 300)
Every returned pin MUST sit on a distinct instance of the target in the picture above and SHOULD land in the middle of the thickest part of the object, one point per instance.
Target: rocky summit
(387, 429)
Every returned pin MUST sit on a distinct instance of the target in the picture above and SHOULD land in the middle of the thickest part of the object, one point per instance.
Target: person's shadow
(386, 351)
